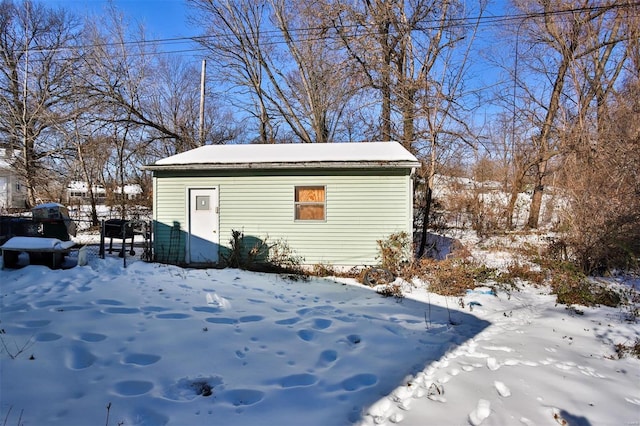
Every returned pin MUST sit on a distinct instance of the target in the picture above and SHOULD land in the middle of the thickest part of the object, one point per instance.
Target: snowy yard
(165, 345)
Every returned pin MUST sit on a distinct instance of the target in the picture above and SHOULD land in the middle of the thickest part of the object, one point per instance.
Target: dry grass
(450, 277)
(631, 349)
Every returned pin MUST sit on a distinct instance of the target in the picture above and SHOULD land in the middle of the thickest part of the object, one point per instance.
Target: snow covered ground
(163, 345)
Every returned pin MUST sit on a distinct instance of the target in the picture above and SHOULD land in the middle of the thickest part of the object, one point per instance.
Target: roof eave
(285, 165)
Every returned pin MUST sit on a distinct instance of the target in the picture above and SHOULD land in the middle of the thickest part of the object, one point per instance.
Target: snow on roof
(132, 188)
(78, 185)
(288, 155)
(47, 206)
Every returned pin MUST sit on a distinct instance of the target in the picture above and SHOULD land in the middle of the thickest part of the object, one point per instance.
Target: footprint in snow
(120, 310)
(359, 381)
(35, 323)
(288, 321)
(109, 302)
(502, 389)
(298, 380)
(321, 323)
(492, 364)
(327, 358)
(482, 411)
(564, 366)
(173, 315)
(306, 335)
(635, 401)
(132, 387)
(217, 301)
(92, 337)
(141, 359)
(588, 371)
(78, 357)
(47, 337)
(499, 348)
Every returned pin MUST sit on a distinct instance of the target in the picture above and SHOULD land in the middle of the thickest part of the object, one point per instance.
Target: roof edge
(286, 165)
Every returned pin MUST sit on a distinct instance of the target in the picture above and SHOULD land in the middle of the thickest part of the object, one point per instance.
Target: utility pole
(27, 150)
(202, 92)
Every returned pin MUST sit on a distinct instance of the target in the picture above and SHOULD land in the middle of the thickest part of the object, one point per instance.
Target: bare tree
(313, 95)
(601, 135)
(287, 68)
(559, 34)
(235, 36)
(366, 30)
(36, 61)
(91, 152)
(602, 219)
(172, 100)
(415, 55)
(144, 103)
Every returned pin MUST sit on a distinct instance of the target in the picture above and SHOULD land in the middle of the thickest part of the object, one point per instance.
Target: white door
(203, 239)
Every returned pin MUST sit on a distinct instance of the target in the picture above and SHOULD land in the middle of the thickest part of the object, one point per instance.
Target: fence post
(124, 243)
(150, 234)
(101, 251)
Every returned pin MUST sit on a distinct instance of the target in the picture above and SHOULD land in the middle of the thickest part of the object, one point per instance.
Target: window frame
(310, 203)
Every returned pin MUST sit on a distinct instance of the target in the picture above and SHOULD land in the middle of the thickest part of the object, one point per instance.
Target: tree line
(92, 99)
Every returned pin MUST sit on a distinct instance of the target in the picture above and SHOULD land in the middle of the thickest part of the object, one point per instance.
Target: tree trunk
(386, 96)
(428, 197)
(516, 185)
(426, 211)
(408, 119)
(29, 173)
(536, 199)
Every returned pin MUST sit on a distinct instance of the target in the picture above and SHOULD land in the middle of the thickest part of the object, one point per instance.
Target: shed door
(203, 239)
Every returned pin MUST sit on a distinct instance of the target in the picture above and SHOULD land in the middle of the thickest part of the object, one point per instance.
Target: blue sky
(167, 19)
(164, 18)
(161, 18)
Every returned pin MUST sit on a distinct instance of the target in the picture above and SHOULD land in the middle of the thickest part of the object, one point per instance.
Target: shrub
(450, 277)
(453, 276)
(395, 251)
(233, 258)
(283, 257)
(323, 270)
(572, 287)
(391, 290)
(260, 255)
(601, 221)
(518, 271)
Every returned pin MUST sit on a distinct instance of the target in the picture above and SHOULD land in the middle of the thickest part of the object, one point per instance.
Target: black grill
(117, 228)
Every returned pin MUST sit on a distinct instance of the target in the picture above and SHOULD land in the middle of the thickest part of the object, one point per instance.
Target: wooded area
(94, 99)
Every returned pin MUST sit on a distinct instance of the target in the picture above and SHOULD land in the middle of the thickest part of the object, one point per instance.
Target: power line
(271, 35)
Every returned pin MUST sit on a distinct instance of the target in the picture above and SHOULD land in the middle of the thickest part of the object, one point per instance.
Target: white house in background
(13, 192)
(131, 191)
(78, 192)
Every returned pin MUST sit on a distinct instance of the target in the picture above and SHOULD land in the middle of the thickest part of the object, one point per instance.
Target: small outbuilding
(330, 203)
